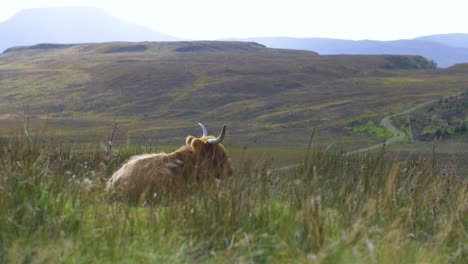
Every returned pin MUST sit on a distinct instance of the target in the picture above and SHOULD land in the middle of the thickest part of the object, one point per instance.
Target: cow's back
(146, 175)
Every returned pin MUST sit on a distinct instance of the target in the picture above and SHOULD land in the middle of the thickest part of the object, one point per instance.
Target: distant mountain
(454, 40)
(71, 25)
(437, 49)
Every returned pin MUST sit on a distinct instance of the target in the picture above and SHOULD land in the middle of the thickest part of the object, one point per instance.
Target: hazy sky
(213, 19)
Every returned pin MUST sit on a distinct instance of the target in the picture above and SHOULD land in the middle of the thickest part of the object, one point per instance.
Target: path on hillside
(397, 134)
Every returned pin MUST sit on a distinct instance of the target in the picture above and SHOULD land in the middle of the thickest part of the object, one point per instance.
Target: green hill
(161, 90)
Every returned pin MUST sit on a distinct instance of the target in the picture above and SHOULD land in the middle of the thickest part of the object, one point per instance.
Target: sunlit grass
(364, 208)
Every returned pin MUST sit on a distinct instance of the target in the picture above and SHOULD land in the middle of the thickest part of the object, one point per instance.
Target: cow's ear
(196, 143)
(188, 140)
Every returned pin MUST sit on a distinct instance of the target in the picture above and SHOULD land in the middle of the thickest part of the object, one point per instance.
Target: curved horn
(220, 138)
(205, 132)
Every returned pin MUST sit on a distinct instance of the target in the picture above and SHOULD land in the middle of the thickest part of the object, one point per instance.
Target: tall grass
(363, 208)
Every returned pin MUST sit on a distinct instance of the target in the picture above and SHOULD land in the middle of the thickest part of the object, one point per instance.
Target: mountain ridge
(65, 25)
(454, 39)
(443, 54)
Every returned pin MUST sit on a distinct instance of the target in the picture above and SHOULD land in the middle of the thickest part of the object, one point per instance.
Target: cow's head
(210, 155)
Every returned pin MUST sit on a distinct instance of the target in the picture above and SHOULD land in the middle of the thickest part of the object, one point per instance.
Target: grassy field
(363, 208)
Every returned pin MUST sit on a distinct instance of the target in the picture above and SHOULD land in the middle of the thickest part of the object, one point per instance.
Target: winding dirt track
(398, 135)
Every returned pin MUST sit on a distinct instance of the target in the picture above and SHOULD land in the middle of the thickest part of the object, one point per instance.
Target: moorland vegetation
(334, 208)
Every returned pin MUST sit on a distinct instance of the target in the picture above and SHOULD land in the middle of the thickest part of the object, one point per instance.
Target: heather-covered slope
(163, 89)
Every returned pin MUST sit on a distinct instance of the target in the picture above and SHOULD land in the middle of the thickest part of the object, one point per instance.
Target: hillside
(446, 119)
(161, 90)
(439, 51)
(71, 25)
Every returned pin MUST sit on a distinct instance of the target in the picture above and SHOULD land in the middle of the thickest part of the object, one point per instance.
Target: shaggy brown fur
(145, 176)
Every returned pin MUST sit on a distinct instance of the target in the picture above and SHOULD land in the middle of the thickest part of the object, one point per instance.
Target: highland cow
(144, 176)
